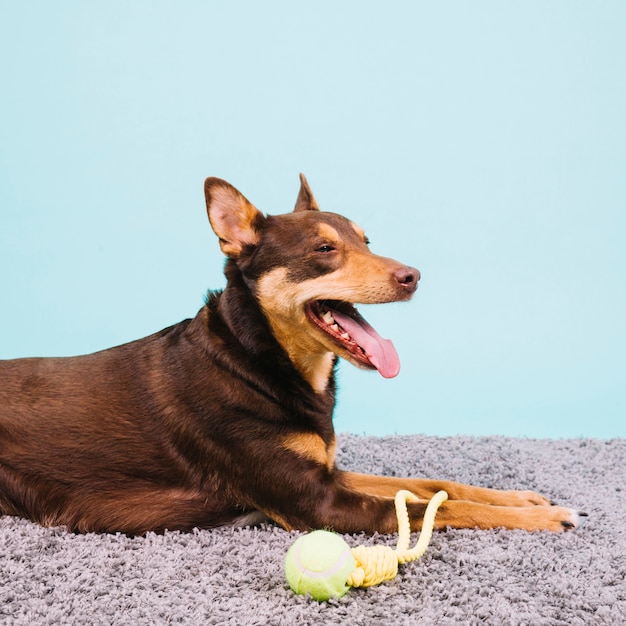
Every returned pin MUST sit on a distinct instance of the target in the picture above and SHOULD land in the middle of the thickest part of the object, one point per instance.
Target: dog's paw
(558, 519)
(539, 513)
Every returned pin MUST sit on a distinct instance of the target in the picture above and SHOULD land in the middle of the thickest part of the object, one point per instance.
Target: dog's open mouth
(346, 327)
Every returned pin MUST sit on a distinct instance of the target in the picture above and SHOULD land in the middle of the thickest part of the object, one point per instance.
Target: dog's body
(227, 418)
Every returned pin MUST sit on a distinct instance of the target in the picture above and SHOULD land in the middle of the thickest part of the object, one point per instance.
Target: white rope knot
(374, 564)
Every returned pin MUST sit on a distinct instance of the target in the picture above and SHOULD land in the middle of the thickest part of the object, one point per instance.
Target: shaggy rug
(235, 576)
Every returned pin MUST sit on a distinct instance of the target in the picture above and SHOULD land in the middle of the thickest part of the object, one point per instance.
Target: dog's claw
(568, 525)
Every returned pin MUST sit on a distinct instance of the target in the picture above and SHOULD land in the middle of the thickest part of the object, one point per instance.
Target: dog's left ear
(234, 220)
(305, 201)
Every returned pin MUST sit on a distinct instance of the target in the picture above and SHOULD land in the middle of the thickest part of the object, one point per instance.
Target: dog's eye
(325, 248)
(367, 241)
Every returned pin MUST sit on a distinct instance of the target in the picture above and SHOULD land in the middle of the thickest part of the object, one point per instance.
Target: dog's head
(307, 269)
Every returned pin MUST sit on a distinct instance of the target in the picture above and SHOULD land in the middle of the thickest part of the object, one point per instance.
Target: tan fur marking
(328, 232)
(359, 231)
(332, 451)
(281, 521)
(469, 506)
(274, 290)
(459, 514)
(362, 279)
(292, 330)
(427, 488)
(312, 447)
(316, 369)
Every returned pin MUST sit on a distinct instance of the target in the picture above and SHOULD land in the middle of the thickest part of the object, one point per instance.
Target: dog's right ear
(233, 219)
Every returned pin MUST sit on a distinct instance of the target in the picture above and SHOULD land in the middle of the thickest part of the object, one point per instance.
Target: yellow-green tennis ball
(319, 563)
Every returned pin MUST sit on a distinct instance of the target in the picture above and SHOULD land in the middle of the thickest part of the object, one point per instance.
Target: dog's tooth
(328, 318)
(335, 328)
(345, 336)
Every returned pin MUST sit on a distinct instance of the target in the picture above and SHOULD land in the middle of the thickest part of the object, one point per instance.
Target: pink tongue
(379, 351)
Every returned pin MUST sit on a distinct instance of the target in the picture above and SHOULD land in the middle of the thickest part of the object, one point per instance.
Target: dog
(227, 418)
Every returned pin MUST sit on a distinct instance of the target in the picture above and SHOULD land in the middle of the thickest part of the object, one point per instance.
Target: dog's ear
(234, 220)
(305, 201)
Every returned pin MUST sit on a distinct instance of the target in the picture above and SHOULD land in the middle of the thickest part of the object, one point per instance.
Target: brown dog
(227, 418)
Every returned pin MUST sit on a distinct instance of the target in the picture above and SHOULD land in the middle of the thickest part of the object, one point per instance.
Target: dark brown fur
(225, 418)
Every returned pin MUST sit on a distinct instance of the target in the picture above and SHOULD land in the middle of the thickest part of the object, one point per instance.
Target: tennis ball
(319, 563)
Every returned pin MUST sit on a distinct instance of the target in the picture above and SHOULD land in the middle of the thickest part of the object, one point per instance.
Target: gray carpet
(229, 576)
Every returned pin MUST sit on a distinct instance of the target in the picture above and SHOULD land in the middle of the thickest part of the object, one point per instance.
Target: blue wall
(483, 142)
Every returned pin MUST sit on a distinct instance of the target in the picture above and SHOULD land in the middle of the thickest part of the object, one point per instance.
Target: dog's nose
(407, 278)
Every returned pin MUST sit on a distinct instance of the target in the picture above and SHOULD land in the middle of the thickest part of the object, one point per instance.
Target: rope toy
(323, 565)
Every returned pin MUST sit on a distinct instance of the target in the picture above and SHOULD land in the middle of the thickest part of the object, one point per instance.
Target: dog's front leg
(334, 502)
(388, 486)
(469, 506)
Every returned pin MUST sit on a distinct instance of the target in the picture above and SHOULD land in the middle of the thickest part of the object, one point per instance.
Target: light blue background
(483, 142)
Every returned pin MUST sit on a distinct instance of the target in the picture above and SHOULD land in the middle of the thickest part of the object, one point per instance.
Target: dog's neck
(315, 368)
(259, 334)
